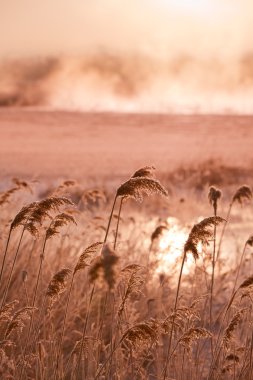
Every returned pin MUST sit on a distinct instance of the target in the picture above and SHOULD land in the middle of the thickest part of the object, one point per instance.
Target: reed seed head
(193, 334)
(201, 234)
(142, 334)
(158, 232)
(137, 187)
(17, 322)
(58, 284)
(105, 266)
(244, 193)
(134, 284)
(6, 310)
(23, 215)
(229, 331)
(250, 241)
(61, 189)
(59, 221)
(246, 283)
(213, 196)
(84, 258)
(146, 171)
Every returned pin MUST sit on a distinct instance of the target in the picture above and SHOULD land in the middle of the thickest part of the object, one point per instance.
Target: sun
(192, 6)
(168, 256)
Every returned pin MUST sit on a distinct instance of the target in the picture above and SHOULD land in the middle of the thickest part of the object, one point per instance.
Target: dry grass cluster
(81, 297)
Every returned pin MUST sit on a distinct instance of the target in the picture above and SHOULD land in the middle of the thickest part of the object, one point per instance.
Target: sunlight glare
(170, 250)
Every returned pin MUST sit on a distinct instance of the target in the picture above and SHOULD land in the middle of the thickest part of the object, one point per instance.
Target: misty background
(174, 56)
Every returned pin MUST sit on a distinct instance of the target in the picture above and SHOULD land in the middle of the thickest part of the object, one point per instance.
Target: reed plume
(246, 283)
(201, 234)
(33, 215)
(85, 257)
(242, 194)
(6, 311)
(142, 334)
(58, 285)
(146, 171)
(104, 266)
(249, 242)
(17, 322)
(93, 196)
(229, 331)
(82, 263)
(134, 284)
(52, 203)
(41, 211)
(61, 189)
(213, 196)
(20, 219)
(193, 334)
(60, 220)
(6, 195)
(139, 336)
(137, 187)
(157, 233)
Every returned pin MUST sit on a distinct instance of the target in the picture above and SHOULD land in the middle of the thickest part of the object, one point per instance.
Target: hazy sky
(71, 26)
(151, 54)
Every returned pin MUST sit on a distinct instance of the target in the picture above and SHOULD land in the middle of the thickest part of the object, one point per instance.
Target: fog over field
(142, 56)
